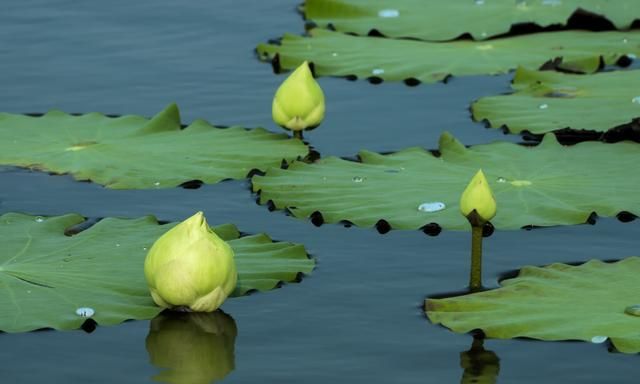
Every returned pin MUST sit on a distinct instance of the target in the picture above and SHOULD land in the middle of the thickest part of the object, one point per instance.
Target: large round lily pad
(545, 185)
(46, 277)
(548, 101)
(337, 54)
(133, 152)
(446, 20)
(557, 302)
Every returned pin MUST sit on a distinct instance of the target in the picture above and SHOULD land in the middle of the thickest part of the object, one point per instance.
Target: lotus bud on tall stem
(299, 102)
(478, 205)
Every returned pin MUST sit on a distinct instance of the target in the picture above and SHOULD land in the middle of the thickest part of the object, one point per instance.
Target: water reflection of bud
(192, 347)
(480, 366)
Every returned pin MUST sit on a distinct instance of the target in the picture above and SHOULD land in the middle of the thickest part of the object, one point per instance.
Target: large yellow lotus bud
(194, 348)
(477, 203)
(299, 101)
(190, 267)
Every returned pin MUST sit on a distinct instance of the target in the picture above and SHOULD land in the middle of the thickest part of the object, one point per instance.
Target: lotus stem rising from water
(299, 102)
(478, 205)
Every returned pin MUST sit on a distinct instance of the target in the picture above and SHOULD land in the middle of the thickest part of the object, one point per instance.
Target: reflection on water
(192, 347)
(480, 366)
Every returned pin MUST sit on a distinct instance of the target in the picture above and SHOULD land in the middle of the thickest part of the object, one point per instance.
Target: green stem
(297, 135)
(475, 278)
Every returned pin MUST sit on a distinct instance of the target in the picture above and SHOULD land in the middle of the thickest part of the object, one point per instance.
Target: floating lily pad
(446, 20)
(337, 54)
(137, 153)
(49, 280)
(556, 302)
(548, 184)
(548, 101)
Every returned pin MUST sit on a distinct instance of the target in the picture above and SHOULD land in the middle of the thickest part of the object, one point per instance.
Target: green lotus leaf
(337, 54)
(446, 20)
(45, 276)
(548, 184)
(548, 101)
(134, 152)
(557, 302)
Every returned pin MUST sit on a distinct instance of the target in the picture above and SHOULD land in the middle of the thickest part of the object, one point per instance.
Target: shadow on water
(478, 364)
(195, 348)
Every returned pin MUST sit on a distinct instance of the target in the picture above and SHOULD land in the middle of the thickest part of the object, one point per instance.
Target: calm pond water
(358, 317)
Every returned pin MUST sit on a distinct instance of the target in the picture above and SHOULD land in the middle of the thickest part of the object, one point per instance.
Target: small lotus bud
(192, 347)
(190, 267)
(299, 101)
(477, 203)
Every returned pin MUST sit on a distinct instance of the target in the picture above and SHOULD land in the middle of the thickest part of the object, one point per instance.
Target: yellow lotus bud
(299, 101)
(192, 347)
(190, 267)
(478, 198)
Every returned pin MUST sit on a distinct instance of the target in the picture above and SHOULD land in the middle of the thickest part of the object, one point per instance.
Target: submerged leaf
(544, 185)
(548, 101)
(134, 152)
(446, 20)
(49, 280)
(337, 54)
(556, 302)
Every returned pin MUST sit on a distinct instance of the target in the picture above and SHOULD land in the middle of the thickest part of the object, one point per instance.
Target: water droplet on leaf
(543, 106)
(479, 2)
(39, 219)
(599, 339)
(157, 183)
(636, 100)
(85, 312)
(357, 179)
(378, 71)
(389, 13)
(521, 183)
(484, 47)
(501, 180)
(434, 206)
(633, 310)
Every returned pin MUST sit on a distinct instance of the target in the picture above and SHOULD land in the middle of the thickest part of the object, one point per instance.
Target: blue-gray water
(357, 318)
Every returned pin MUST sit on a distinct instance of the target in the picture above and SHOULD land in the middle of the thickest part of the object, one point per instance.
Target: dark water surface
(358, 317)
